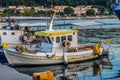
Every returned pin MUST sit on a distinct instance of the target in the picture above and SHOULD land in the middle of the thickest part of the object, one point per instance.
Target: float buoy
(21, 48)
(66, 43)
(96, 49)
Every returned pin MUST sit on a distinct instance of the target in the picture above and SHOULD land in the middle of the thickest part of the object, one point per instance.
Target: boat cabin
(15, 34)
(55, 41)
(11, 35)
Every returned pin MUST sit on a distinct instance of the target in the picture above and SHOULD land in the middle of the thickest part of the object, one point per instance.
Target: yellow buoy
(50, 75)
(96, 49)
(36, 76)
(43, 76)
(4, 45)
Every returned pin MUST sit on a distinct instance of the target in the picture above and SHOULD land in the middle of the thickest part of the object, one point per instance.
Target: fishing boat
(54, 47)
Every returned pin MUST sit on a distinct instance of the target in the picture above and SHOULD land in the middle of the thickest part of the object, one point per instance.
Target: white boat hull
(18, 59)
(24, 59)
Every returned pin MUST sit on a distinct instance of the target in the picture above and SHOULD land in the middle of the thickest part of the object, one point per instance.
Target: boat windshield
(45, 39)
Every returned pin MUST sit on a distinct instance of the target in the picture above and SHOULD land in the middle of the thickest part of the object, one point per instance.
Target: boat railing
(50, 49)
(105, 45)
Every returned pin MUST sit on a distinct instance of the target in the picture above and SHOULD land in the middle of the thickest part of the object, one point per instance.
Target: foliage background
(50, 3)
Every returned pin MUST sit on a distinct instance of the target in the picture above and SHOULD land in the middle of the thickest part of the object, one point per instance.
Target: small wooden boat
(55, 53)
(55, 47)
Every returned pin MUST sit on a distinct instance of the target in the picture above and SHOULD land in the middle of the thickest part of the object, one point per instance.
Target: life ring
(21, 48)
(66, 43)
(23, 38)
(26, 38)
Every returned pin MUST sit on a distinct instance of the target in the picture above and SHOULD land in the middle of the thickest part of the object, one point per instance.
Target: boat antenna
(51, 23)
(8, 14)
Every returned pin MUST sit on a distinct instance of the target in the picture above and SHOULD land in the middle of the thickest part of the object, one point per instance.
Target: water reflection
(71, 71)
(96, 35)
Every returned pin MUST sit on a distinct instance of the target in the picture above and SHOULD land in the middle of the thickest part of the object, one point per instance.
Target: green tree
(50, 12)
(2, 15)
(68, 11)
(42, 13)
(6, 3)
(28, 12)
(101, 10)
(17, 13)
(12, 12)
(90, 12)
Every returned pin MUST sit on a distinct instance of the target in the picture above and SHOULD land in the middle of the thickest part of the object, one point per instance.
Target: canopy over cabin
(55, 39)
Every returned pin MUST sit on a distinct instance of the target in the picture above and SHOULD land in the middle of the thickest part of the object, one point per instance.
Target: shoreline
(92, 17)
(60, 18)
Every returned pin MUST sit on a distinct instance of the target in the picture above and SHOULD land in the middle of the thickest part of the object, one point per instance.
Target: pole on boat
(65, 59)
(51, 23)
(8, 14)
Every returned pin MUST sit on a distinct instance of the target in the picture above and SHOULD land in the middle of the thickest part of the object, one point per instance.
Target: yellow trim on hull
(54, 33)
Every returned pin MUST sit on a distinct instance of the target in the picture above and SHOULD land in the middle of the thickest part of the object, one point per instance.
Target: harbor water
(104, 68)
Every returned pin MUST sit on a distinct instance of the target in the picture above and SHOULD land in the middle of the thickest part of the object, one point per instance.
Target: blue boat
(1, 53)
(116, 8)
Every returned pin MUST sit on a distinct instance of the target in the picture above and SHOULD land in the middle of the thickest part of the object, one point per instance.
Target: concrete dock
(8, 73)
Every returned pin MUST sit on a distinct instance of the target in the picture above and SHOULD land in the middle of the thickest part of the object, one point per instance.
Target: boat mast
(51, 23)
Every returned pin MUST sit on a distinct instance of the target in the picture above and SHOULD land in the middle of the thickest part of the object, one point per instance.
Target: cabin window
(12, 33)
(4, 33)
(69, 37)
(40, 38)
(52, 39)
(57, 39)
(48, 39)
(63, 38)
(44, 39)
